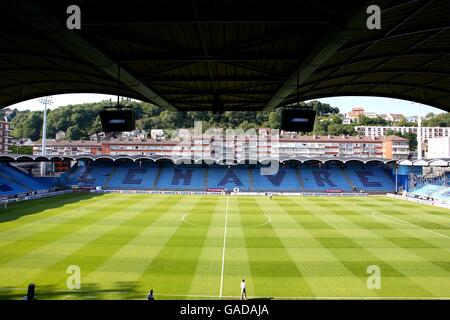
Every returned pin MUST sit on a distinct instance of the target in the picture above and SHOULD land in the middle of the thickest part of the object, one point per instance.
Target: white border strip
(223, 250)
(420, 201)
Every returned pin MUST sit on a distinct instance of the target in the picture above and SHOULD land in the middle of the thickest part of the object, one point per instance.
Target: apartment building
(427, 132)
(5, 137)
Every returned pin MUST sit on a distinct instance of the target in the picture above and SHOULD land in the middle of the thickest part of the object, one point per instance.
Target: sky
(345, 104)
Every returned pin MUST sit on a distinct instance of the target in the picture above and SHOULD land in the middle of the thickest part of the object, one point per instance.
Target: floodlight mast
(45, 101)
(419, 131)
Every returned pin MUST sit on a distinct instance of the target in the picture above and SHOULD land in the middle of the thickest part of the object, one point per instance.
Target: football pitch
(201, 247)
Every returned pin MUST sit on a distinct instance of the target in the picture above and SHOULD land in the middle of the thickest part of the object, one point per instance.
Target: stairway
(16, 182)
(205, 179)
(111, 174)
(347, 179)
(299, 178)
(250, 179)
(158, 174)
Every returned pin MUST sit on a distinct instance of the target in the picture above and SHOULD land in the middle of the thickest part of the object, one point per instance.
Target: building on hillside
(371, 115)
(22, 142)
(195, 147)
(157, 134)
(427, 132)
(60, 135)
(395, 148)
(5, 137)
(240, 147)
(355, 114)
(7, 112)
(346, 121)
(438, 148)
(99, 136)
(344, 146)
(411, 119)
(68, 147)
(394, 117)
(135, 134)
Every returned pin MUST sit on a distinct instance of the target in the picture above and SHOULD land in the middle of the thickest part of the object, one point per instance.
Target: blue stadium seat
(13, 181)
(182, 178)
(15, 174)
(170, 177)
(371, 180)
(284, 180)
(132, 176)
(229, 178)
(322, 179)
(89, 175)
(8, 188)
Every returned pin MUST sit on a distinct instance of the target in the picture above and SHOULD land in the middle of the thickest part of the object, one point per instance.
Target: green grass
(285, 248)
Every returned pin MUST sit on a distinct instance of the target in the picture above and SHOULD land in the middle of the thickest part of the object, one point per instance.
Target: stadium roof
(186, 159)
(426, 163)
(226, 55)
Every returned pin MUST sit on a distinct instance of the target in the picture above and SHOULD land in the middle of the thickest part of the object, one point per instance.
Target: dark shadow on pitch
(29, 207)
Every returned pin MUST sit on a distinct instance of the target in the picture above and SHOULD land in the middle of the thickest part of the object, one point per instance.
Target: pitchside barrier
(157, 192)
(35, 196)
(418, 200)
(305, 194)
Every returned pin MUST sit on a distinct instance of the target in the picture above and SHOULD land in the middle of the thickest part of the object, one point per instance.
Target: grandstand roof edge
(177, 159)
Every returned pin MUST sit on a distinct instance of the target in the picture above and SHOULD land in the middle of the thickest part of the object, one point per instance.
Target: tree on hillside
(440, 120)
(366, 121)
(412, 138)
(74, 133)
(322, 108)
(274, 120)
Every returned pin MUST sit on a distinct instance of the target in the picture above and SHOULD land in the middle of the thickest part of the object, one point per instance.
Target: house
(60, 135)
(346, 121)
(355, 114)
(394, 117)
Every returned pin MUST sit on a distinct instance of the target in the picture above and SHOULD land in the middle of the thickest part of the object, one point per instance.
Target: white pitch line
(192, 224)
(223, 250)
(269, 220)
(404, 222)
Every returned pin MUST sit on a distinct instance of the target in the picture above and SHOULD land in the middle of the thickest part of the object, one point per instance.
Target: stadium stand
(371, 179)
(132, 176)
(285, 180)
(182, 178)
(228, 179)
(247, 178)
(13, 181)
(89, 175)
(436, 192)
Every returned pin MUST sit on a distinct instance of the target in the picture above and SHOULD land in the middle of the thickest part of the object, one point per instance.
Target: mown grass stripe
(270, 275)
(237, 265)
(105, 245)
(26, 242)
(49, 253)
(142, 249)
(176, 262)
(392, 271)
(206, 279)
(323, 270)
